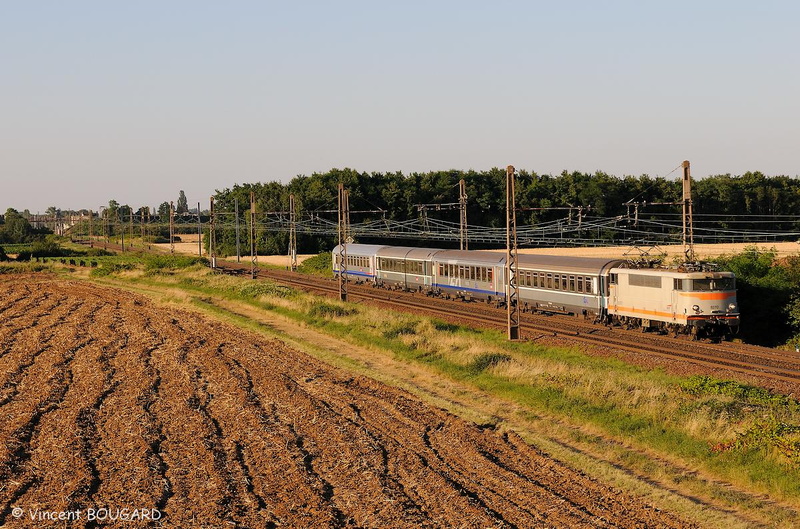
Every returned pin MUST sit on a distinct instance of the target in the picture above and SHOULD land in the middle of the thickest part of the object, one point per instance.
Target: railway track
(740, 358)
(736, 357)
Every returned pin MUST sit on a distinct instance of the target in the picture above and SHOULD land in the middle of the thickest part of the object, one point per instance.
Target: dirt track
(108, 401)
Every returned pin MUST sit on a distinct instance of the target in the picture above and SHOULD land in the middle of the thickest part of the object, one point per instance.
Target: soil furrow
(19, 446)
(28, 308)
(274, 450)
(42, 337)
(86, 420)
(231, 507)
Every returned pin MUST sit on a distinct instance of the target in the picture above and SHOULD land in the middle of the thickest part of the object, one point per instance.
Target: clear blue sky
(137, 100)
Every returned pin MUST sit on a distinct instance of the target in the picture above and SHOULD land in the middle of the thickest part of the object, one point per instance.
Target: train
(688, 299)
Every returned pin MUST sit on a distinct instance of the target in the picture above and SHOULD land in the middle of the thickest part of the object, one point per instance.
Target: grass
(23, 268)
(687, 432)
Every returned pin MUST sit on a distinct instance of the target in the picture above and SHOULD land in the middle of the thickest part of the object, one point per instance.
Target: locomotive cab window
(612, 279)
(706, 285)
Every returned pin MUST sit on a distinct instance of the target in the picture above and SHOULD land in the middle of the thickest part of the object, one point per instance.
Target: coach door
(612, 292)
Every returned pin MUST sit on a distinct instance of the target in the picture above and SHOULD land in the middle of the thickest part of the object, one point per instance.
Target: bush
(97, 252)
(47, 248)
(3, 256)
(318, 265)
(111, 268)
(172, 262)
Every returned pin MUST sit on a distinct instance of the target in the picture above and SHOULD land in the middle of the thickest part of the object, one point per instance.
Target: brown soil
(106, 401)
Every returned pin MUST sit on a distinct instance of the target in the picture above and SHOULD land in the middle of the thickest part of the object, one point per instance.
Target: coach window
(489, 274)
(572, 283)
(563, 282)
(549, 280)
(678, 284)
(580, 283)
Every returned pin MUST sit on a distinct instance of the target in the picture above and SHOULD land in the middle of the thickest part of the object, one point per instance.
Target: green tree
(765, 288)
(182, 206)
(16, 229)
(163, 211)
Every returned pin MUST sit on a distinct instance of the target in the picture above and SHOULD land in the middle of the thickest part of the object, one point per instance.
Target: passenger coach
(405, 267)
(360, 261)
(570, 285)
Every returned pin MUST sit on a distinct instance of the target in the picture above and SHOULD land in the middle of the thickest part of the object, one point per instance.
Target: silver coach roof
(563, 263)
(407, 252)
(482, 258)
(359, 249)
(555, 263)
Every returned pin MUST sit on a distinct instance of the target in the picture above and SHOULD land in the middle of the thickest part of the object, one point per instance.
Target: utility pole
(141, 224)
(462, 201)
(121, 231)
(688, 230)
(512, 267)
(147, 230)
(171, 227)
(212, 235)
(253, 241)
(292, 235)
(91, 242)
(199, 233)
(236, 213)
(344, 228)
(130, 226)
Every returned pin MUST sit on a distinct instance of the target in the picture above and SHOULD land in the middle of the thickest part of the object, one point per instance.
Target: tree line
(730, 198)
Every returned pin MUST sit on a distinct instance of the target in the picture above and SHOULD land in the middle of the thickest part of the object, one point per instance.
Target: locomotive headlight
(732, 307)
(696, 308)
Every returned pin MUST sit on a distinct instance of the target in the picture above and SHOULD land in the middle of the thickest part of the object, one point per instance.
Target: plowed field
(108, 401)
